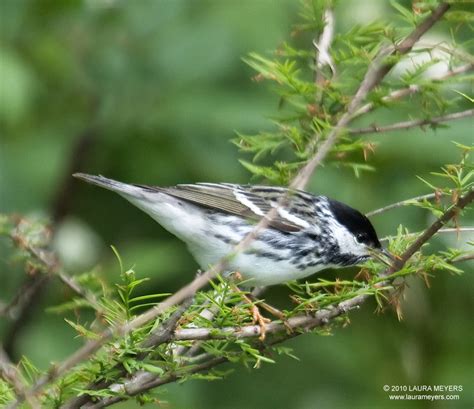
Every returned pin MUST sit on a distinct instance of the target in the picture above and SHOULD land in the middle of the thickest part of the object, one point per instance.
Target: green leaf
(117, 256)
(148, 297)
(82, 331)
(408, 14)
(470, 99)
(152, 368)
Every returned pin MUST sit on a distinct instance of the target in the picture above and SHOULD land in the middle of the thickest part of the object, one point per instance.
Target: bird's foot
(279, 314)
(237, 277)
(260, 320)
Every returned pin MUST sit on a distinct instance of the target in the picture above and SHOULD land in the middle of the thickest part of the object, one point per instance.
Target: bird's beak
(389, 255)
(383, 255)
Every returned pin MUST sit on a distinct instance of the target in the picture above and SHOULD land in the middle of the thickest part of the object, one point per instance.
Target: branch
(165, 334)
(10, 373)
(21, 306)
(376, 72)
(323, 57)
(412, 124)
(460, 54)
(14, 309)
(59, 208)
(147, 381)
(65, 194)
(428, 233)
(463, 258)
(456, 230)
(51, 265)
(187, 291)
(402, 203)
(412, 89)
(296, 323)
(162, 334)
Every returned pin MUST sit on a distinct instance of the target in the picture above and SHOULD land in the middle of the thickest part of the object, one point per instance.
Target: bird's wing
(250, 202)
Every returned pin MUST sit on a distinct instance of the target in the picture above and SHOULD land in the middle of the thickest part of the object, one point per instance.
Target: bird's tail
(110, 184)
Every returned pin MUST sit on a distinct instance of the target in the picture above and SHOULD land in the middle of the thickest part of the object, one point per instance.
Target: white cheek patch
(346, 241)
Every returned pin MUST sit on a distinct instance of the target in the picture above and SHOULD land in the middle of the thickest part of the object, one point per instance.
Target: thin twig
(323, 57)
(402, 203)
(463, 258)
(51, 266)
(298, 322)
(19, 302)
(162, 334)
(376, 72)
(412, 89)
(142, 376)
(456, 230)
(209, 314)
(430, 231)
(21, 305)
(10, 373)
(59, 208)
(147, 381)
(66, 192)
(20, 309)
(412, 124)
(459, 53)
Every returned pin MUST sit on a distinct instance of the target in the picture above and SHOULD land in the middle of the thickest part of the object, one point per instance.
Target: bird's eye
(359, 237)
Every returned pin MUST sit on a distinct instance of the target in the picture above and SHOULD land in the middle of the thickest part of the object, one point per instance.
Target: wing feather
(234, 199)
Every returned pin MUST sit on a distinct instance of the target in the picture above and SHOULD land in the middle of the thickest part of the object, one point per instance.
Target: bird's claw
(260, 320)
(289, 329)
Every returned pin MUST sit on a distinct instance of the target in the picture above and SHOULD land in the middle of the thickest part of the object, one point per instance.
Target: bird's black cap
(359, 225)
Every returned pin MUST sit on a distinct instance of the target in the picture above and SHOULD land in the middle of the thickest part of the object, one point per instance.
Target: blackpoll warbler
(309, 233)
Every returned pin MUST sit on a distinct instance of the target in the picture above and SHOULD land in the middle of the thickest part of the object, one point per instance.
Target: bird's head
(354, 235)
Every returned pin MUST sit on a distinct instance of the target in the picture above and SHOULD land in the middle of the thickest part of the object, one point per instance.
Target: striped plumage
(309, 233)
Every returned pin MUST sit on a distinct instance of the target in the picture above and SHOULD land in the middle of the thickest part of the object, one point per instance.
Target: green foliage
(129, 355)
(308, 111)
(304, 124)
(458, 179)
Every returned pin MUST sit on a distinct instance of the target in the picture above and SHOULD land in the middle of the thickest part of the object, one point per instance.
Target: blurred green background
(152, 92)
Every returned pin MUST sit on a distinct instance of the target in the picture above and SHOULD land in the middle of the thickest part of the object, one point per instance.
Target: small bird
(308, 234)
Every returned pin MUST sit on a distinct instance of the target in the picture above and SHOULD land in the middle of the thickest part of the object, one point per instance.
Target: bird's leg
(257, 317)
(275, 312)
